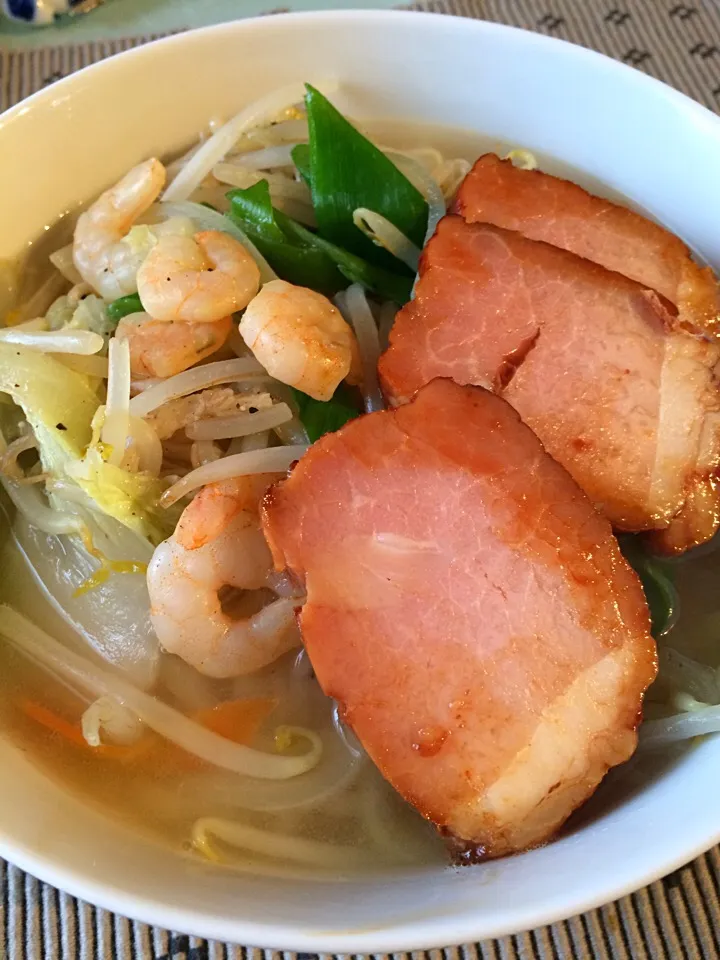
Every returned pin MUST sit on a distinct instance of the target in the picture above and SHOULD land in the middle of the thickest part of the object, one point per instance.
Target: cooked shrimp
(163, 349)
(198, 279)
(300, 338)
(218, 543)
(102, 258)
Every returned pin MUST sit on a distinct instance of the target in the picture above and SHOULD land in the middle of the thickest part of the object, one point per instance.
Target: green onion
(657, 581)
(388, 285)
(251, 209)
(321, 417)
(124, 306)
(300, 256)
(347, 171)
(301, 158)
(253, 206)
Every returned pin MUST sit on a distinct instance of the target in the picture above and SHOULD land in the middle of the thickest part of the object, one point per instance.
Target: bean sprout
(385, 234)
(353, 304)
(98, 681)
(277, 846)
(83, 342)
(194, 380)
(117, 410)
(274, 460)
(426, 184)
(523, 159)
(240, 425)
(261, 111)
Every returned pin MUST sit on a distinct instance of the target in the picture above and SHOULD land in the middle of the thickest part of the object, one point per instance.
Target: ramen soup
(350, 474)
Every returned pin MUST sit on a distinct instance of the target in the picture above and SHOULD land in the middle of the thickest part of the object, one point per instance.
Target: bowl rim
(405, 938)
(430, 932)
(350, 15)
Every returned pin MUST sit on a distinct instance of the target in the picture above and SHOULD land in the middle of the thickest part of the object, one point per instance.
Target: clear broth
(364, 813)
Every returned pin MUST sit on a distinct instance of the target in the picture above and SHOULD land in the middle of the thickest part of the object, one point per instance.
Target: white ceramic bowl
(608, 121)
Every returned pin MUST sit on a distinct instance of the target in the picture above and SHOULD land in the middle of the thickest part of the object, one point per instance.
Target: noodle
(277, 845)
(274, 460)
(688, 704)
(697, 679)
(385, 234)
(194, 380)
(450, 175)
(253, 441)
(428, 157)
(219, 144)
(684, 726)
(279, 184)
(241, 425)
(284, 131)
(292, 432)
(355, 306)
(116, 426)
(169, 723)
(296, 210)
(288, 195)
(265, 159)
(204, 451)
(427, 185)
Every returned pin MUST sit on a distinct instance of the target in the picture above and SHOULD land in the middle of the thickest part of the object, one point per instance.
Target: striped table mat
(677, 917)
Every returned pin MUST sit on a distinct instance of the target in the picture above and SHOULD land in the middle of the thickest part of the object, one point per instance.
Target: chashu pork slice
(559, 212)
(591, 361)
(470, 612)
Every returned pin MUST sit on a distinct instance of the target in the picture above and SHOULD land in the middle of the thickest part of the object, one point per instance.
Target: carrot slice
(236, 720)
(72, 732)
(52, 722)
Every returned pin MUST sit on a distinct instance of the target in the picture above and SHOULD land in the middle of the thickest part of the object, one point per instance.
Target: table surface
(677, 917)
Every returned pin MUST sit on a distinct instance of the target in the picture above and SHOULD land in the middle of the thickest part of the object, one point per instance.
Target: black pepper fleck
(60, 426)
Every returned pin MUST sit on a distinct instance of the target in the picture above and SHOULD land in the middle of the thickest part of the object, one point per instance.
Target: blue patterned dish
(40, 13)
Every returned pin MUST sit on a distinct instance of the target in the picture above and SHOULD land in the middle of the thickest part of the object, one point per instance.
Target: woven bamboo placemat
(677, 917)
